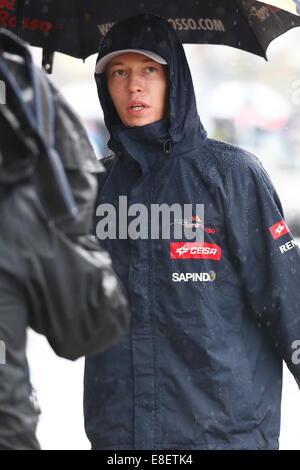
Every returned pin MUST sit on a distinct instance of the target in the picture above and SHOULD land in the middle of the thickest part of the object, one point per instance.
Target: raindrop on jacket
(201, 365)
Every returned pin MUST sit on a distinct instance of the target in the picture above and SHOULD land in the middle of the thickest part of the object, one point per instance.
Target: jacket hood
(153, 33)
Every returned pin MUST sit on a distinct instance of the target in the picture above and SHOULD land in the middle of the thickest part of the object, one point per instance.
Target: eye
(118, 73)
(151, 69)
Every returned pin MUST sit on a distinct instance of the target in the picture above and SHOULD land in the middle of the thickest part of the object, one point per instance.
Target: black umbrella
(75, 27)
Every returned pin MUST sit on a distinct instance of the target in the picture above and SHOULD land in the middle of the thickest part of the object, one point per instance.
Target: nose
(135, 83)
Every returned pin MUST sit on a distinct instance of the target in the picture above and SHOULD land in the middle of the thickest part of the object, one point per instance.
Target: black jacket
(201, 366)
(54, 277)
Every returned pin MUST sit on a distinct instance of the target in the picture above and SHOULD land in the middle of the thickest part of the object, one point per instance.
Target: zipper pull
(168, 145)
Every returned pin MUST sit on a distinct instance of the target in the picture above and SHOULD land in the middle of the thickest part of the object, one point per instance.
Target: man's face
(138, 87)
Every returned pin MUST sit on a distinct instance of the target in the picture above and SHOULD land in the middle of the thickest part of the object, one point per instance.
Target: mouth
(137, 109)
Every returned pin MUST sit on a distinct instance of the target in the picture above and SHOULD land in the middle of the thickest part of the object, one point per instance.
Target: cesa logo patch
(194, 250)
(279, 229)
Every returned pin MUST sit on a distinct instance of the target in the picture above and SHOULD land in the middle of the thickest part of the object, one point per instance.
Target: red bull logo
(8, 4)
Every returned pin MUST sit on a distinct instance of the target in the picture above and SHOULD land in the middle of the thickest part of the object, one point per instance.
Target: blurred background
(242, 99)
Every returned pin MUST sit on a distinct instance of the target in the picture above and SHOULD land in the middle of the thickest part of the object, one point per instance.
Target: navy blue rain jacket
(201, 365)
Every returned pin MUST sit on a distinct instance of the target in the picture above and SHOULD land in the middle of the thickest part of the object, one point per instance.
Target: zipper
(167, 146)
(151, 296)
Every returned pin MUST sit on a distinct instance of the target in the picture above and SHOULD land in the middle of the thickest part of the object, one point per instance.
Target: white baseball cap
(102, 63)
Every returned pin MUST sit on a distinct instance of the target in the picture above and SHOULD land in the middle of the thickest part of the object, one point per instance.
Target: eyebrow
(112, 64)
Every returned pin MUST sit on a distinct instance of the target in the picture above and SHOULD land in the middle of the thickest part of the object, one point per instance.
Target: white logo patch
(194, 277)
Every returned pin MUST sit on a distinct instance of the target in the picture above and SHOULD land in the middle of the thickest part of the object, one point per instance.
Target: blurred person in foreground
(54, 277)
(201, 365)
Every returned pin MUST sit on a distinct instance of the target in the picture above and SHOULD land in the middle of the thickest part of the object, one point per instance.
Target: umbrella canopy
(249, 103)
(75, 27)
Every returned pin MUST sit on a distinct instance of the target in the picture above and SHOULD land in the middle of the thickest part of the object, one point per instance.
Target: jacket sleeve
(267, 257)
(76, 299)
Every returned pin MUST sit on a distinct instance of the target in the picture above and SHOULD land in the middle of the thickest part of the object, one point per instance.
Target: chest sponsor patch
(194, 222)
(194, 251)
(279, 229)
(288, 246)
(194, 277)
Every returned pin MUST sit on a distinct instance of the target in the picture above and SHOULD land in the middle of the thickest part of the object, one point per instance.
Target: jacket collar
(153, 144)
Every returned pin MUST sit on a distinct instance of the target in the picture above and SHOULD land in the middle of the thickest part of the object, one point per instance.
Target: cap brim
(102, 63)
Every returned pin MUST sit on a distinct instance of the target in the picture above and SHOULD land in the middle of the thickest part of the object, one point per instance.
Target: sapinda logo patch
(195, 250)
(279, 229)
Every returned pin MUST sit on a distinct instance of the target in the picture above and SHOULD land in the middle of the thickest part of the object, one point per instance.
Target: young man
(201, 366)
